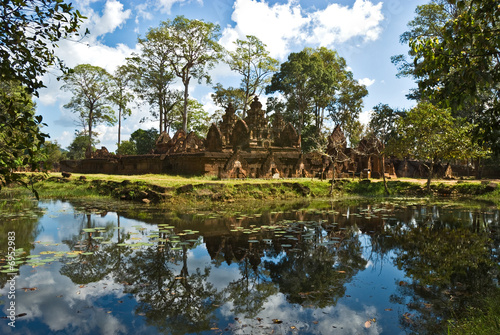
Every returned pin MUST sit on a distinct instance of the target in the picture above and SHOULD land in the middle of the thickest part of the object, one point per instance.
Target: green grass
(101, 186)
(485, 321)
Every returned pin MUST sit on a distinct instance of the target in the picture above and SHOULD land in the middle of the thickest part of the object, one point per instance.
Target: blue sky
(364, 32)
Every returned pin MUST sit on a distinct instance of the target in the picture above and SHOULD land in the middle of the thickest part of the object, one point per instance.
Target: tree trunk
(119, 124)
(431, 168)
(161, 108)
(478, 168)
(333, 177)
(89, 147)
(185, 111)
(386, 189)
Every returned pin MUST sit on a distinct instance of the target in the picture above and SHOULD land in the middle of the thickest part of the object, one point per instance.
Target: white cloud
(113, 17)
(366, 81)
(277, 26)
(337, 24)
(281, 26)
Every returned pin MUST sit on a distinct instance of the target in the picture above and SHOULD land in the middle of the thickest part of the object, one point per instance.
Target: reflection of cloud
(60, 304)
(326, 320)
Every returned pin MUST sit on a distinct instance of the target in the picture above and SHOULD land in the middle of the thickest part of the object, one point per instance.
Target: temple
(250, 148)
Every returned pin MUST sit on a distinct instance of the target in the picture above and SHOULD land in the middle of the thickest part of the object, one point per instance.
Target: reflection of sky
(60, 306)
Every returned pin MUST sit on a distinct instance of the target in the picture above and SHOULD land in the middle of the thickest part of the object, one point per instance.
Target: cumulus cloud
(113, 17)
(277, 26)
(281, 26)
(338, 24)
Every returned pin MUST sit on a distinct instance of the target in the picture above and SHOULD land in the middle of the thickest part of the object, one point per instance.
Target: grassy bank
(484, 321)
(203, 192)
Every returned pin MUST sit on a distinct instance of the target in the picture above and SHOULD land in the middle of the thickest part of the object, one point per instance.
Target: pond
(387, 268)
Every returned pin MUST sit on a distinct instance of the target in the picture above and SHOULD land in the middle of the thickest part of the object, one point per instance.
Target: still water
(326, 268)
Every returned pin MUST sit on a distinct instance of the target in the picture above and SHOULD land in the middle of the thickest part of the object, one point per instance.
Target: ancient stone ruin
(250, 148)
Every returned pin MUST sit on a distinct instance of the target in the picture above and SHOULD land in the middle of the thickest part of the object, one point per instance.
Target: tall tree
(294, 81)
(429, 134)
(383, 126)
(29, 33)
(345, 108)
(121, 94)
(317, 79)
(456, 61)
(192, 49)
(327, 82)
(91, 88)
(252, 61)
(153, 77)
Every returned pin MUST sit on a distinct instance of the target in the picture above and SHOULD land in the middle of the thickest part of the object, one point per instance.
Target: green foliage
(29, 33)
(198, 119)
(455, 48)
(144, 140)
(50, 154)
(481, 321)
(91, 88)
(191, 49)
(20, 135)
(314, 81)
(126, 148)
(77, 148)
(252, 61)
(152, 77)
(223, 97)
(383, 122)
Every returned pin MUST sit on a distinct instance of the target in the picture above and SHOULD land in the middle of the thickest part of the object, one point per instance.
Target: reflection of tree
(174, 301)
(251, 290)
(315, 274)
(451, 269)
(92, 268)
(21, 218)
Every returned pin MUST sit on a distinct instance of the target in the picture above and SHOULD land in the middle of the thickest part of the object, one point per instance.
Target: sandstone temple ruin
(248, 148)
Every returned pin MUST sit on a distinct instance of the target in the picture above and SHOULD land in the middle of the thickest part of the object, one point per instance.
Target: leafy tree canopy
(455, 50)
(77, 148)
(252, 61)
(91, 88)
(20, 134)
(144, 140)
(191, 48)
(29, 33)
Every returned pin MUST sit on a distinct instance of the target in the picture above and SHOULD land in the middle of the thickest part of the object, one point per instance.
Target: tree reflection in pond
(315, 274)
(448, 264)
(173, 300)
(189, 274)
